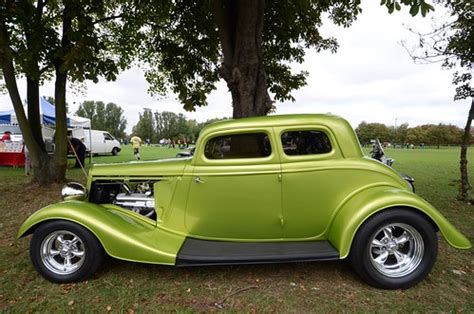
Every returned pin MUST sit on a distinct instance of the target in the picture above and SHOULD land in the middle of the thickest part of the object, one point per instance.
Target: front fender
(122, 233)
(358, 208)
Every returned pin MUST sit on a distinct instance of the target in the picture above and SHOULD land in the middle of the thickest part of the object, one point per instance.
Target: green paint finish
(273, 198)
(123, 233)
(360, 206)
(235, 205)
(152, 169)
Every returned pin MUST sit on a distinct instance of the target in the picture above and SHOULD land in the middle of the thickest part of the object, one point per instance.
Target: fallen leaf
(109, 308)
(459, 272)
(71, 303)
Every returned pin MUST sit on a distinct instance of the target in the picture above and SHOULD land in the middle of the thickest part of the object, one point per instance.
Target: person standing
(136, 143)
(80, 150)
(6, 137)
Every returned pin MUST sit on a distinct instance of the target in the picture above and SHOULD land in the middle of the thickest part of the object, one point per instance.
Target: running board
(196, 252)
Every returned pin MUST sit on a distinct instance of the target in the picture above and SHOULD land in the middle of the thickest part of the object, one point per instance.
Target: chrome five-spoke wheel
(395, 248)
(62, 252)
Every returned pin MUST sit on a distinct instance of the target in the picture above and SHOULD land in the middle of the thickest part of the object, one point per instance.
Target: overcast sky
(370, 78)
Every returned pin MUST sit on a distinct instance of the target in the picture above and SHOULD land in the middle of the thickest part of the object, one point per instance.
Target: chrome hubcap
(396, 250)
(62, 252)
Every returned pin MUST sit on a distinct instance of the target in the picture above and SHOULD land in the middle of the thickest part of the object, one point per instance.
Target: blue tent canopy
(48, 117)
(49, 113)
(6, 116)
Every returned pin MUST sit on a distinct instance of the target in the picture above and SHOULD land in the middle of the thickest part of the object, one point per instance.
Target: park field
(301, 287)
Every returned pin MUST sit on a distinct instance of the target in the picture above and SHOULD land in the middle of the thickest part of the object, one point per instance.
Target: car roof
(276, 120)
(342, 129)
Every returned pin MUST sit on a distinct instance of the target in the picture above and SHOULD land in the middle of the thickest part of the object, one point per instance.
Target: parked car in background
(271, 189)
(97, 141)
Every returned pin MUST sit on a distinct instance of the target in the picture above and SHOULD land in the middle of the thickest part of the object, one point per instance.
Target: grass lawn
(301, 287)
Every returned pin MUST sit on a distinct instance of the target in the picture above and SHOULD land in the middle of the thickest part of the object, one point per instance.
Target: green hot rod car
(271, 189)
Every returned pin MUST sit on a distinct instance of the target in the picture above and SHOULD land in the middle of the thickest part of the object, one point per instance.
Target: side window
(251, 145)
(297, 143)
(108, 137)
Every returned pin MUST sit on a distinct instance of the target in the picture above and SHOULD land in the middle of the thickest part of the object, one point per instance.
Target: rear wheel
(62, 251)
(394, 249)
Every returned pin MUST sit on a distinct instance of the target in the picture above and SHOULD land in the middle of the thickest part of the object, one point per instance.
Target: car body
(257, 190)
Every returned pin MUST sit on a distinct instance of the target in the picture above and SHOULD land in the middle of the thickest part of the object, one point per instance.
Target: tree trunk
(240, 24)
(60, 139)
(34, 115)
(465, 189)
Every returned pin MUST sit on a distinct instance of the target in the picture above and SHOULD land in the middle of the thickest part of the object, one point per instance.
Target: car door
(236, 189)
(311, 182)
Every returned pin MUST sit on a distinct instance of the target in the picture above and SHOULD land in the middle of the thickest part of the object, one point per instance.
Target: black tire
(375, 257)
(115, 151)
(45, 240)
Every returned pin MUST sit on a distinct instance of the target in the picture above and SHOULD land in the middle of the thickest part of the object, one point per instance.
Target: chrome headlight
(73, 191)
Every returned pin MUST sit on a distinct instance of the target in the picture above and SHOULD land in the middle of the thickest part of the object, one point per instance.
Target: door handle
(198, 180)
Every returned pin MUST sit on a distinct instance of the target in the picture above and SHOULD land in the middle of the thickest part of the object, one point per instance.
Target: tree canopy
(104, 117)
(190, 45)
(428, 134)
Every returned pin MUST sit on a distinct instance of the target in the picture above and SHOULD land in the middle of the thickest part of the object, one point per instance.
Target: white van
(98, 142)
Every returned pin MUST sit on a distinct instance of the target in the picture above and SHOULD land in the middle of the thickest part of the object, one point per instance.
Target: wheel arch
(123, 234)
(359, 208)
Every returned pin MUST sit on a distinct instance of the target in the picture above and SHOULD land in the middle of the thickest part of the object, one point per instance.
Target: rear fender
(122, 233)
(358, 208)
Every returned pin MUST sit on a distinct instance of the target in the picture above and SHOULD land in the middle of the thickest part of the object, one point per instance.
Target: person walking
(136, 143)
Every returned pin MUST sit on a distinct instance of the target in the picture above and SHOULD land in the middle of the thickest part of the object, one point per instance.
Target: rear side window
(250, 145)
(297, 143)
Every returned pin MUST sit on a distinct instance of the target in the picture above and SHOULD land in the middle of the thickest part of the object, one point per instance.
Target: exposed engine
(136, 196)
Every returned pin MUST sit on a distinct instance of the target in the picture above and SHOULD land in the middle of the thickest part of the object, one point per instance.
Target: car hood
(156, 168)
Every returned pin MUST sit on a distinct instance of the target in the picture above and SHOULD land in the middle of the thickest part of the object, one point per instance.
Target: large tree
(451, 43)
(191, 45)
(60, 40)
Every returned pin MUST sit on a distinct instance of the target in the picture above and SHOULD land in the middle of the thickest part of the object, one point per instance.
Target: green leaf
(397, 6)
(414, 9)
(391, 8)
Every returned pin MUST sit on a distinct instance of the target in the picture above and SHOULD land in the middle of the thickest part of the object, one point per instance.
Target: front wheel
(62, 251)
(394, 249)
(115, 151)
